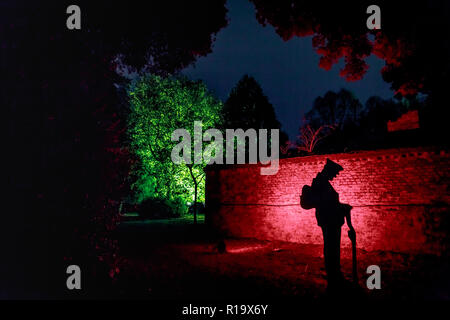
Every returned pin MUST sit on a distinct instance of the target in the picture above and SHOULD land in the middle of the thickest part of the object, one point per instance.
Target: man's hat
(332, 166)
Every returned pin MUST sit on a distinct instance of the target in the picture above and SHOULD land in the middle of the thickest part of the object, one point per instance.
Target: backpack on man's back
(307, 198)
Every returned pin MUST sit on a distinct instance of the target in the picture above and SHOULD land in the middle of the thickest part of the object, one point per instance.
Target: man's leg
(331, 251)
(335, 236)
(326, 252)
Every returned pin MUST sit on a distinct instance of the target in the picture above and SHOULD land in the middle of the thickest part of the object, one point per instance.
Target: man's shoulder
(318, 180)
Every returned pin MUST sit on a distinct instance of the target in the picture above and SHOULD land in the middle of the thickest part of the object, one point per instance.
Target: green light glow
(158, 106)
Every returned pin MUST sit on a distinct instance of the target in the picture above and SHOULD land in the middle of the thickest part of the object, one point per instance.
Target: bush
(179, 206)
(200, 208)
(156, 208)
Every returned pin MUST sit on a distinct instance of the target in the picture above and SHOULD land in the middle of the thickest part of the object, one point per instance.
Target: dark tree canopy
(69, 163)
(413, 40)
(342, 123)
(379, 111)
(335, 109)
(163, 36)
(247, 107)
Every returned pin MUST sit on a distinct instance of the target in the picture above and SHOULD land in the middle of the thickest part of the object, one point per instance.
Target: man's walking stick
(352, 235)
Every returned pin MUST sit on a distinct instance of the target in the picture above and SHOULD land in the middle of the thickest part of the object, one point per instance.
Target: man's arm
(348, 218)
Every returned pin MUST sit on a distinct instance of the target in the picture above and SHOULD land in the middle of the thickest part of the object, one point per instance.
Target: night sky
(287, 71)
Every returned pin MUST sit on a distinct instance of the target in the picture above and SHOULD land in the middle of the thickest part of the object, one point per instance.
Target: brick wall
(400, 199)
(407, 121)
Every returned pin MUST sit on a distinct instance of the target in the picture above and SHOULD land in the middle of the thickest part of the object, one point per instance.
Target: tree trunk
(195, 202)
(195, 192)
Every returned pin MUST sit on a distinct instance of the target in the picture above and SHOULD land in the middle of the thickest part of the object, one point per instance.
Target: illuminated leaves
(158, 106)
(413, 41)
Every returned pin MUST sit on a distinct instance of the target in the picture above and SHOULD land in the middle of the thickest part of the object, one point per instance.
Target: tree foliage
(413, 40)
(309, 137)
(247, 107)
(338, 122)
(335, 109)
(58, 91)
(158, 106)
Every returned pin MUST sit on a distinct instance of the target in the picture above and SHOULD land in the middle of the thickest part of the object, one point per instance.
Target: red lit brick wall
(400, 199)
(407, 121)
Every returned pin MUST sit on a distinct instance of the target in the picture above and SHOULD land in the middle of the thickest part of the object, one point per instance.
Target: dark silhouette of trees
(310, 137)
(378, 112)
(247, 107)
(413, 40)
(336, 109)
(338, 122)
(330, 122)
(69, 160)
(373, 132)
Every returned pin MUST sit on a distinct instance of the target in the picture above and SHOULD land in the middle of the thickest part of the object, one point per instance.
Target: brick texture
(407, 121)
(400, 199)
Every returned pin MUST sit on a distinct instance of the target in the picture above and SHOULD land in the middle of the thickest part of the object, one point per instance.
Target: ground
(175, 259)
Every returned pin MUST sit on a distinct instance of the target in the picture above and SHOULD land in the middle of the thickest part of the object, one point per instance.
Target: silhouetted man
(330, 214)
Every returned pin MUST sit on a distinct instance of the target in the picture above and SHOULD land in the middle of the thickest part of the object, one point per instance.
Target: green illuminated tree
(159, 106)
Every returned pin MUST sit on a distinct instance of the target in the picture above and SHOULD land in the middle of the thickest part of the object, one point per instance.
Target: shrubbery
(157, 208)
(200, 208)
